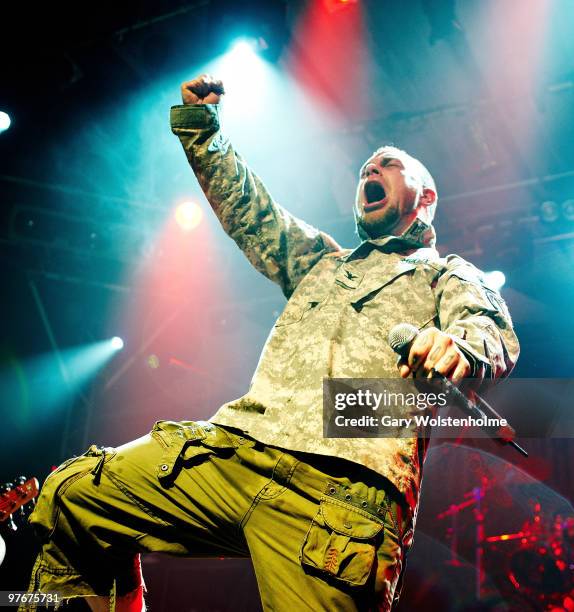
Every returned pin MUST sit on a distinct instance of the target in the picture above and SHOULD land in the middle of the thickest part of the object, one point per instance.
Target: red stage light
(329, 47)
(337, 5)
(188, 215)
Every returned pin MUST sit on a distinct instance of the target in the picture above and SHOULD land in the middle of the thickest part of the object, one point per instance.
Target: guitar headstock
(16, 495)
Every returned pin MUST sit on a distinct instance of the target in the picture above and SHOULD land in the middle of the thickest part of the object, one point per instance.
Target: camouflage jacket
(341, 305)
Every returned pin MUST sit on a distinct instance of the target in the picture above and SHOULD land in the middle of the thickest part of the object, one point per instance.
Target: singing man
(327, 522)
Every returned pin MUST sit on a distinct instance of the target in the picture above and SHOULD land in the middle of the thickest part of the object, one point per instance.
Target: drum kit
(533, 567)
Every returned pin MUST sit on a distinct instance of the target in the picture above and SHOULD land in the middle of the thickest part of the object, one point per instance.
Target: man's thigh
(180, 490)
(187, 479)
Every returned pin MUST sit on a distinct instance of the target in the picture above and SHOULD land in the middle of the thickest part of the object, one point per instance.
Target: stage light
(249, 46)
(549, 211)
(188, 215)
(568, 210)
(244, 48)
(495, 279)
(117, 343)
(242, 60)
(245, 74)
(336, 5)
(5, 121)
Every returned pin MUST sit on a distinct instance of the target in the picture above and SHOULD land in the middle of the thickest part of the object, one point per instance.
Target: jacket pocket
(341, 542)
(403, 298)
(295, 313)
(375, 282)
(185, 443)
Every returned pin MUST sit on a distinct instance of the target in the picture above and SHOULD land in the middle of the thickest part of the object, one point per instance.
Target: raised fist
(204, 89)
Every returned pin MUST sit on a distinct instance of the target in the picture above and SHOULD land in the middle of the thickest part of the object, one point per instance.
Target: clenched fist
(204, 89)
(434, 349)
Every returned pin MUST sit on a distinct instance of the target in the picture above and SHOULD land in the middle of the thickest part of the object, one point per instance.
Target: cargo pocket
(341, 542)
(186, 443)
(44, 518)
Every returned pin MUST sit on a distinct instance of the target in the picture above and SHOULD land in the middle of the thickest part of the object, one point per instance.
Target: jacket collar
(418, 235)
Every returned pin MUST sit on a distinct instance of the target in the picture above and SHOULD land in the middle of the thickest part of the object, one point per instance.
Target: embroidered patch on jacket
(496, 300)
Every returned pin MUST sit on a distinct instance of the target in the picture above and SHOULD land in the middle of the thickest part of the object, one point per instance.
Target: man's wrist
(194, 116)
(477, 362)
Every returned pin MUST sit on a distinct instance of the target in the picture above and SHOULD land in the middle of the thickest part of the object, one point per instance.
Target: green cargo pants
(322, 532)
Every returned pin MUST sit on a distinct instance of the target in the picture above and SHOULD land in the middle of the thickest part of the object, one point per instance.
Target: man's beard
(381, 227)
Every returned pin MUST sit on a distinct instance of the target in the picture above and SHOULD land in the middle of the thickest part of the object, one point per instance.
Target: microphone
(400, 340)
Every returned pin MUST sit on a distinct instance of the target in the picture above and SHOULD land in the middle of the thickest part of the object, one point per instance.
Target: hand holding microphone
(441, 361)
(432, 350)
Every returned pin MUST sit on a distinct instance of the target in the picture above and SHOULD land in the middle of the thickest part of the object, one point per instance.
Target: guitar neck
(17, 497)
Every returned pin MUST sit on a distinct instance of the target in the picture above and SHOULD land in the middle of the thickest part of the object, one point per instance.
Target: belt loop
(97, 471)
(284, 468)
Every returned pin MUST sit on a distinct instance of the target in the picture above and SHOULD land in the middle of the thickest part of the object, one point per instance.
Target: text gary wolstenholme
(418, 420)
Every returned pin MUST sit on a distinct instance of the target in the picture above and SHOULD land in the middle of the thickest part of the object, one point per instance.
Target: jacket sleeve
(477, 317)
(279, 245)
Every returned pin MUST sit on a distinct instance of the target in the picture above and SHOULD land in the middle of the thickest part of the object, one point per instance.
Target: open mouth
(374, 194)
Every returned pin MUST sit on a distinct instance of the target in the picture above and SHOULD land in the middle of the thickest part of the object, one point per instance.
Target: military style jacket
(341, 305)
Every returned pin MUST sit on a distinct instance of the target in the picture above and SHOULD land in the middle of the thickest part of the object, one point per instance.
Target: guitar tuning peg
(5, 487)
(20, 480)
(12, 525)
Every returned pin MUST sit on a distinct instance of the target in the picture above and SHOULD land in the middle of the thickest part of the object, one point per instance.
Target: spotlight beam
(61, 364)
(49, 331)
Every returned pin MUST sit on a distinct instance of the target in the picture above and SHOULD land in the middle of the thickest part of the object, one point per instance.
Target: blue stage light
(549, 211)
(495, 279)
(244, 75)
(244, 48)
(117, 343)
(5, 121)
(242, 60)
